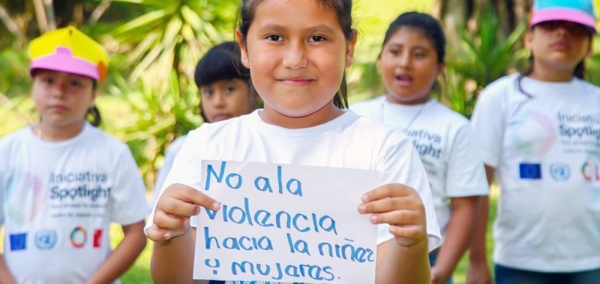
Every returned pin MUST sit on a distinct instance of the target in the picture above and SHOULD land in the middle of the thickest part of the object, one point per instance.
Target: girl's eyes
(419, 55)
(310, 39)
(229, 89)
(207, 92)
(274, 37)
(316, 39)
(48, 80)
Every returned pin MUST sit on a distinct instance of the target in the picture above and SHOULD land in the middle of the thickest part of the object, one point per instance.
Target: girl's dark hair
(93, 116)
(221, 62)
(343, 10)
(426, 25)
(579, 71)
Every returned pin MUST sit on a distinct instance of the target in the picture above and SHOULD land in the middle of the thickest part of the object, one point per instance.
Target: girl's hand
(401, 207)
(173, 211)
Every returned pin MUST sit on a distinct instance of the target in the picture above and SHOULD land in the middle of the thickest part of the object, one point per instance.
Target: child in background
(63, 181)
(297, 52)
(539, 133)
(223, 84)
(411, 59)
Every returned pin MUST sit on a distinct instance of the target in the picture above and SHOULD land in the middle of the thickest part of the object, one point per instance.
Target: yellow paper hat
(68, 50)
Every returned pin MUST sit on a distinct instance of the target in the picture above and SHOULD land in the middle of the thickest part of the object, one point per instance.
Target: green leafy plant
(478, 58)
(161, 117)
(172, 35)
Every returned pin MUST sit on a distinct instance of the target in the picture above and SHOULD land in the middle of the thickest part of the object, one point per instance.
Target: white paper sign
(285, 223)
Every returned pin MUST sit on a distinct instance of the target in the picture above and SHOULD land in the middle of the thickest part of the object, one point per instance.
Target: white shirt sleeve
(401, 164)
(488, 121)
(185, 169)
(129, 192)
(466, 175)
(3, 177)
(170, 155)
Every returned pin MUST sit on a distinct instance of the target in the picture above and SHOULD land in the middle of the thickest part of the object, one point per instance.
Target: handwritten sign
(285, 223)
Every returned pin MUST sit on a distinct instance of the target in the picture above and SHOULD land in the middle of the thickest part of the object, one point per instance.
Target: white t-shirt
(446, 144)
(57, 200)
(546, 152)
(170, 155)
(345, 142)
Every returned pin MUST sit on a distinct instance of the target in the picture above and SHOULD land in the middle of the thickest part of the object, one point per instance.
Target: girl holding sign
(539, 132)
(411, 59)
(297, 52)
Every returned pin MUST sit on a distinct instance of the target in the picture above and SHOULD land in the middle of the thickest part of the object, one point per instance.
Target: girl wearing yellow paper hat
(63, 181)
(540, 132)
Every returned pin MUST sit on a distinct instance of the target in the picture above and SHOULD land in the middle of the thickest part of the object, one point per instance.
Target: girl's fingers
(388, 190)
(193, 196)
(389, 204)
(170, 222)
(157, 234)
(408, 235)
(398, 218)
(177, 207)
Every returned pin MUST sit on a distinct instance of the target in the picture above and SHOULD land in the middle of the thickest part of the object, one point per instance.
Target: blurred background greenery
(150, 98)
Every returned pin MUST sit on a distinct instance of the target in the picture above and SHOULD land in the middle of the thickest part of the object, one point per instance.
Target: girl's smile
(297, 55)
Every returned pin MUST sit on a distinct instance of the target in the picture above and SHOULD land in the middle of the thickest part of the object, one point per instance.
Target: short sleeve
(185, 169)
(170, 155)
(465, 172)
(129, 193)
(400, 163)
(3, 179)
(488, 123)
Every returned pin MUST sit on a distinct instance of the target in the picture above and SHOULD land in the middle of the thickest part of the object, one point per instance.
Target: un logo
(46, 239)
(560, 171)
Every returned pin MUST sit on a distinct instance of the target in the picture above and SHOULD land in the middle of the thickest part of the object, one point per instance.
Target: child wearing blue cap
(64, 181)
(540, 133)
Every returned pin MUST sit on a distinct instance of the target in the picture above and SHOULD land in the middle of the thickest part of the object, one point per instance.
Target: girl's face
(296, 52)
(62, 99)
(558, 45)
(225, 99)
(409, 66)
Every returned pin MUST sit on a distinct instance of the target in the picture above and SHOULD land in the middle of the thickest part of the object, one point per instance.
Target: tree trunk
(40, 14)
(49, 8)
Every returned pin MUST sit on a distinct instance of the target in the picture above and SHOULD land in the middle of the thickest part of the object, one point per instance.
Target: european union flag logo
(18, 241)
(530, 171)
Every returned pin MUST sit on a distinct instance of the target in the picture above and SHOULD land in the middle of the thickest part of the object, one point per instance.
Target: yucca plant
(480, 57)
(161, 117)
(173, 35)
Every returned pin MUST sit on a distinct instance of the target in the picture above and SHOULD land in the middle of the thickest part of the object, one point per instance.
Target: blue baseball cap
(577, 11)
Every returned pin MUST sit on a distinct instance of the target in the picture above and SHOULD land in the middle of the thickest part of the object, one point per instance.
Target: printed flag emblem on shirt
(530, 171)
(18, 241)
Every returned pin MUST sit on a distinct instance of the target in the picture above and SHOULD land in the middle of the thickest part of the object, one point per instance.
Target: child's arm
(173, 255)
(5, 275)
(458, 237)
(405, 258)
(123, 256)
(478, 271)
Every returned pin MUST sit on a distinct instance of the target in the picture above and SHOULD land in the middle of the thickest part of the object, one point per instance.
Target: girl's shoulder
(589, 87)
(98, 138)
(501, 85)
(443, 114)
(19, 136)
(367, 105)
